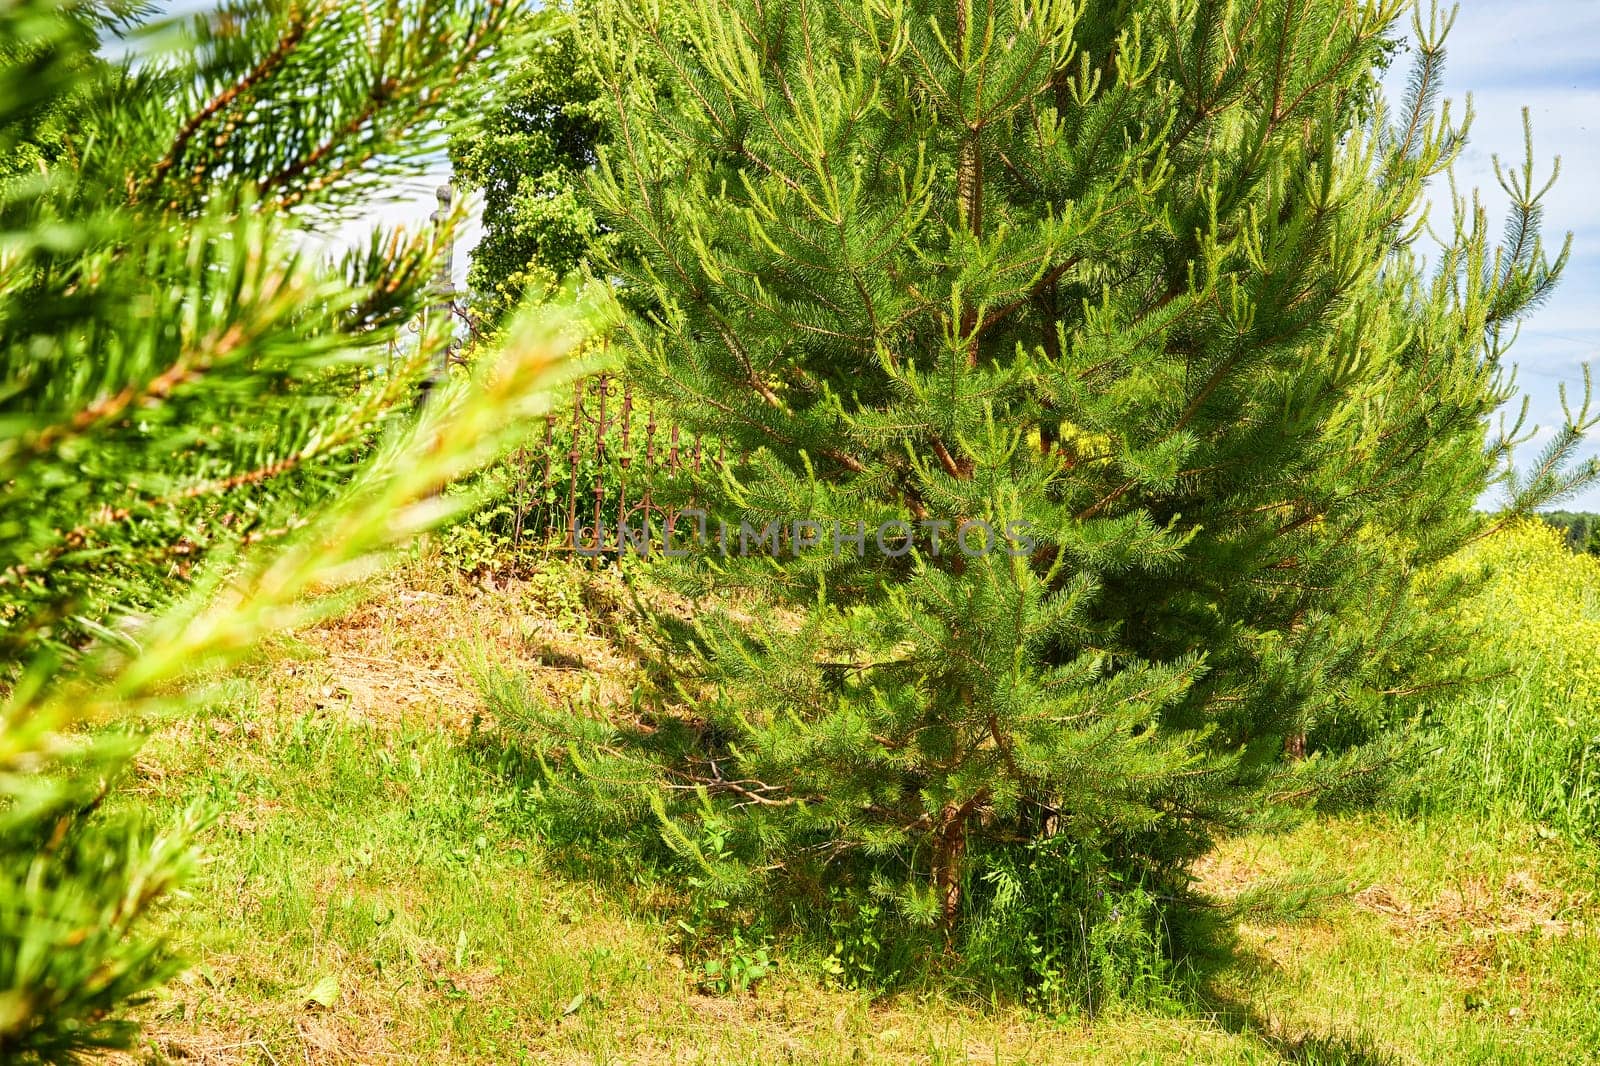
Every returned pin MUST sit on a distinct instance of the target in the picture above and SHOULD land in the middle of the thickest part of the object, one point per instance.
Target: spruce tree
(203, 429)
(1139, 282)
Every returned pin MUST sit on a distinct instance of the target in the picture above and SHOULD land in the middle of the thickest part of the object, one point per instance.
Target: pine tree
(1136, 282)
(203, 429)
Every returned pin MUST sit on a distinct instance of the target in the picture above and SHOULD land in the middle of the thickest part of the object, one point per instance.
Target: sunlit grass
(378, 892)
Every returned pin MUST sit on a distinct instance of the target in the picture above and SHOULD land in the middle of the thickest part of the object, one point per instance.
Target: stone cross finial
(444, 280)
(443, 290)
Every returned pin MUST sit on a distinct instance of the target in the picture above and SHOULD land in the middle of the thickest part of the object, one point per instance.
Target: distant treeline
(1581, 528)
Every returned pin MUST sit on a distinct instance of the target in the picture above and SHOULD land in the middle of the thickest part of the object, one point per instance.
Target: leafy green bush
(1055, 926)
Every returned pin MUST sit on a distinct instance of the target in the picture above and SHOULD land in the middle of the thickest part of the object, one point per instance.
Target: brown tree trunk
(949, 848)
(949, 851)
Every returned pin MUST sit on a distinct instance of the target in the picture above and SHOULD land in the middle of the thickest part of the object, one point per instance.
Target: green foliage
(1582, 529)
(173, 389)
(870, 948)
(527, 155)
(1055, 929)
(1134, 283)
(41, 128)
(77, 893)
(732, 957)
(1051, 927)
(179, 381)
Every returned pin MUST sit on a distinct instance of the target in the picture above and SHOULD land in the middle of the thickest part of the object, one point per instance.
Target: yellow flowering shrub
(1528, 742)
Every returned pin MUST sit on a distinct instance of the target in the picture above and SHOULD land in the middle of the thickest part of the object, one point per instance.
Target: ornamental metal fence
(599, 468)
(597, 465)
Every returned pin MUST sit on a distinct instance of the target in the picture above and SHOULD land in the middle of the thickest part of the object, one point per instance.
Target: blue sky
(1543, 55)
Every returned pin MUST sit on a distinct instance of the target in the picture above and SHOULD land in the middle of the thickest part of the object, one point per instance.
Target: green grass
(376, 892)
(1459, 940)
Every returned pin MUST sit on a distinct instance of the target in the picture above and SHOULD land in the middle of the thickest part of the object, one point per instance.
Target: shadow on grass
(1309, 1049)
(1236, 1015)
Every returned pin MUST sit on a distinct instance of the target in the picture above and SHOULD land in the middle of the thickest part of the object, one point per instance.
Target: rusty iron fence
(598, 467)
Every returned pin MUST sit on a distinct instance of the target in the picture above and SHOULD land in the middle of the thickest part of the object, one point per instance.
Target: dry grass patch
(407, 651)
